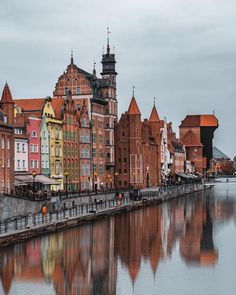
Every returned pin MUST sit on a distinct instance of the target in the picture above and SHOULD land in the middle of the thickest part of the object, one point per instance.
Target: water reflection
(84, 260)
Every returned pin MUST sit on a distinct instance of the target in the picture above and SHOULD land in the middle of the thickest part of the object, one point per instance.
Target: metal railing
(17, 223)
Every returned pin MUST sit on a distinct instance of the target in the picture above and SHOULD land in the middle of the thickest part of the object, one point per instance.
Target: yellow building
(55, 144)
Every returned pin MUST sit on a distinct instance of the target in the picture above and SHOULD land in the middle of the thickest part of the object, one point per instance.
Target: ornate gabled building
(52, 145)
(99, 96)
(6, 142)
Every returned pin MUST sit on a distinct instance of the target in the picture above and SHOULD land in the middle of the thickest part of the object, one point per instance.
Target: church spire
(6, 94)
(94, 69)
(72, 57)
(108, 40)
(108, 60)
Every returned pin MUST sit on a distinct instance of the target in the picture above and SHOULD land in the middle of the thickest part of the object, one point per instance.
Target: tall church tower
(108, 88)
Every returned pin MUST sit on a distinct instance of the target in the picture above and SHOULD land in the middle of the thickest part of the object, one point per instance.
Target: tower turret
(108, 60)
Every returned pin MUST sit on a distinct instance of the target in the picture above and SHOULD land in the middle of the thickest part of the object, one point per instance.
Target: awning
(27, 178)
(19, 183)
(44, 180)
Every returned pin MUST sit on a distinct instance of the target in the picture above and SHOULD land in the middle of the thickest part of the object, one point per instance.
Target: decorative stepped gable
(133, 107)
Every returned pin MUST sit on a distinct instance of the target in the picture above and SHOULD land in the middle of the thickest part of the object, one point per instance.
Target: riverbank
(36, 224)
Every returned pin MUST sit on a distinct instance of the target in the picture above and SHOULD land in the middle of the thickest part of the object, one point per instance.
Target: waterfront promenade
(19, 228)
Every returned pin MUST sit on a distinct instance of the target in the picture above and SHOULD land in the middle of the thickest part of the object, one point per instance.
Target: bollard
(26, 221)
(15, 221)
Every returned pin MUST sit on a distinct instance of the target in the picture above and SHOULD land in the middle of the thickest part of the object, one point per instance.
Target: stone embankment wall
(148, 198)
(12, 206)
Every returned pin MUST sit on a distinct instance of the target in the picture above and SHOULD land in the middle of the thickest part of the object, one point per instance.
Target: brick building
(6, 142)
(196, 133)
(137, 150)
(99, 96)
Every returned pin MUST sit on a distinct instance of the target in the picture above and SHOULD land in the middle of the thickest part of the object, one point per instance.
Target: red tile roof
(200, 121)
(133, 108)
(154, 115)
(191, 140)
(57, 104)
(31, 105)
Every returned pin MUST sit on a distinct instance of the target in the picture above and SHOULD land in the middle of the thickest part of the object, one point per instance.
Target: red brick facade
(6, 142)
(137, 149)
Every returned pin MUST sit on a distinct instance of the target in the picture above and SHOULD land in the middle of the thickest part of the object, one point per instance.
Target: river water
(185, 246)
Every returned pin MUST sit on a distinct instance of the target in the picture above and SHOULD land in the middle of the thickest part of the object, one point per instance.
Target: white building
(21, 151)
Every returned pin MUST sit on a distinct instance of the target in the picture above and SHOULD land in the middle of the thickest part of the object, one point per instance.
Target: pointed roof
(154, 115)
(190, 139)
(133, 107)
(6, 94)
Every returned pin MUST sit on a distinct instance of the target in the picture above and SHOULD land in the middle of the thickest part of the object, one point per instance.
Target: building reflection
(84, 260)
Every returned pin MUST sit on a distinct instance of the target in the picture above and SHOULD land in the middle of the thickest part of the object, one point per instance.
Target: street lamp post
(116, 180)
(34, 176)
(66, 176)
(95, 182)
(134, 178)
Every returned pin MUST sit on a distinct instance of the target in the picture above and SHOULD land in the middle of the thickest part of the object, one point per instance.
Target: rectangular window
(100, 169)
(18, 163)
(78, 90)
(34, 134)
(36, 149)
(23, 147)
(94, 167)
(100, 139)
(36, 163)
(32, 164)
(8, 163)
(18, 147)
(31, 148)
(23, 164)
(87, 137)
(87, 169)
(93, 137)
(83, 170)
(47, 165)
(57, 168)
(8, 144)
(3, 143)
(94, 152)
(57, 134)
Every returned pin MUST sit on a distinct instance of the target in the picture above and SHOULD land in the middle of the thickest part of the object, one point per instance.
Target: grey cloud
(182, 51)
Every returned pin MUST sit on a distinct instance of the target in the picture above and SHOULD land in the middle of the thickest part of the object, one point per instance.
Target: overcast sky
(181, 51)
